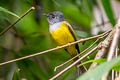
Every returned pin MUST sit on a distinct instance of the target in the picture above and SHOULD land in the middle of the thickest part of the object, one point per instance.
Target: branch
(113, 45)
(53, 49)
(116, 73)
(112, 75)
(104, 46)
(75, 56)
(73, 64)
(10, 26)
(80, 53)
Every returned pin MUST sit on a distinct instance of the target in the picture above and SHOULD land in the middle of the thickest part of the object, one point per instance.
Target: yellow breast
(62, 35)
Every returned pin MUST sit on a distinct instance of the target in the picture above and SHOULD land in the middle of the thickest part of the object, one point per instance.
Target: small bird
(63, 33)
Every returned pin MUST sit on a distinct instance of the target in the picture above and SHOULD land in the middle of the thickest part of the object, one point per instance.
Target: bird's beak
(44, 14)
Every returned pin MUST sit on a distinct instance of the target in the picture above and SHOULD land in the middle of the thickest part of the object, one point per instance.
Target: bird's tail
(73, 51)
(80, 69)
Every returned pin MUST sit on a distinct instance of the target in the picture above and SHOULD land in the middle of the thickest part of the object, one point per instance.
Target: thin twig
(80, 53)
(113, 73)
(114, 43)
(113, 46)
(73, 64)
(74, 56)
(116, 54)
(118, 77)
(103, 49)
(10, 26)
(53, 49)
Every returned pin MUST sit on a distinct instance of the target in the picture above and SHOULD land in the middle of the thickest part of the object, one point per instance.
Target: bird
(63, 33)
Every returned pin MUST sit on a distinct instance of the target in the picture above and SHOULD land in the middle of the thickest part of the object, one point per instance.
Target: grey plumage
(55, 17)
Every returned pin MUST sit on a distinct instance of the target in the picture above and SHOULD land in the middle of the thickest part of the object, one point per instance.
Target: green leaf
(116, 67)
(72, 12)
(97, 60)
(99, 71)
(6, 11)
(81, 33)
(16, 75)
(35, 72)
(87, 8)
(107, 7)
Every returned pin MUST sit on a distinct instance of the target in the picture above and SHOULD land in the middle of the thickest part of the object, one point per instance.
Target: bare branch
(75, 56)
(73, 64)
(113, 45)
(113, 73)
(103, 49)
(117, 77)
(80, 53)
(10, 26)
(116, 54)
(53, 49)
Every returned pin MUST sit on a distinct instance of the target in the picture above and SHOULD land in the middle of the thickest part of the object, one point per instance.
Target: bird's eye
(53, 16)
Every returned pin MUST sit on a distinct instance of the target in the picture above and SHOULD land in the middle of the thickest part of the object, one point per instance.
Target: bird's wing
(73, 34)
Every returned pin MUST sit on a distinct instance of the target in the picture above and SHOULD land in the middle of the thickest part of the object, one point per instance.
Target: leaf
(6, 11)
(107, 7)
(72, 12)
(97, 60)
(81, 33)
(16, 75)
(87, 8)
(35, 72)
(99, 71)
(116, 67)
(76, 15)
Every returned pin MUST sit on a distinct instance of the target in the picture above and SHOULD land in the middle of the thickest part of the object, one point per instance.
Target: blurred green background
(31, 35)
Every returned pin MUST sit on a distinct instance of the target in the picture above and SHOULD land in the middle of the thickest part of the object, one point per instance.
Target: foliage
(31, 35)
(6, 11)
(98, 72)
